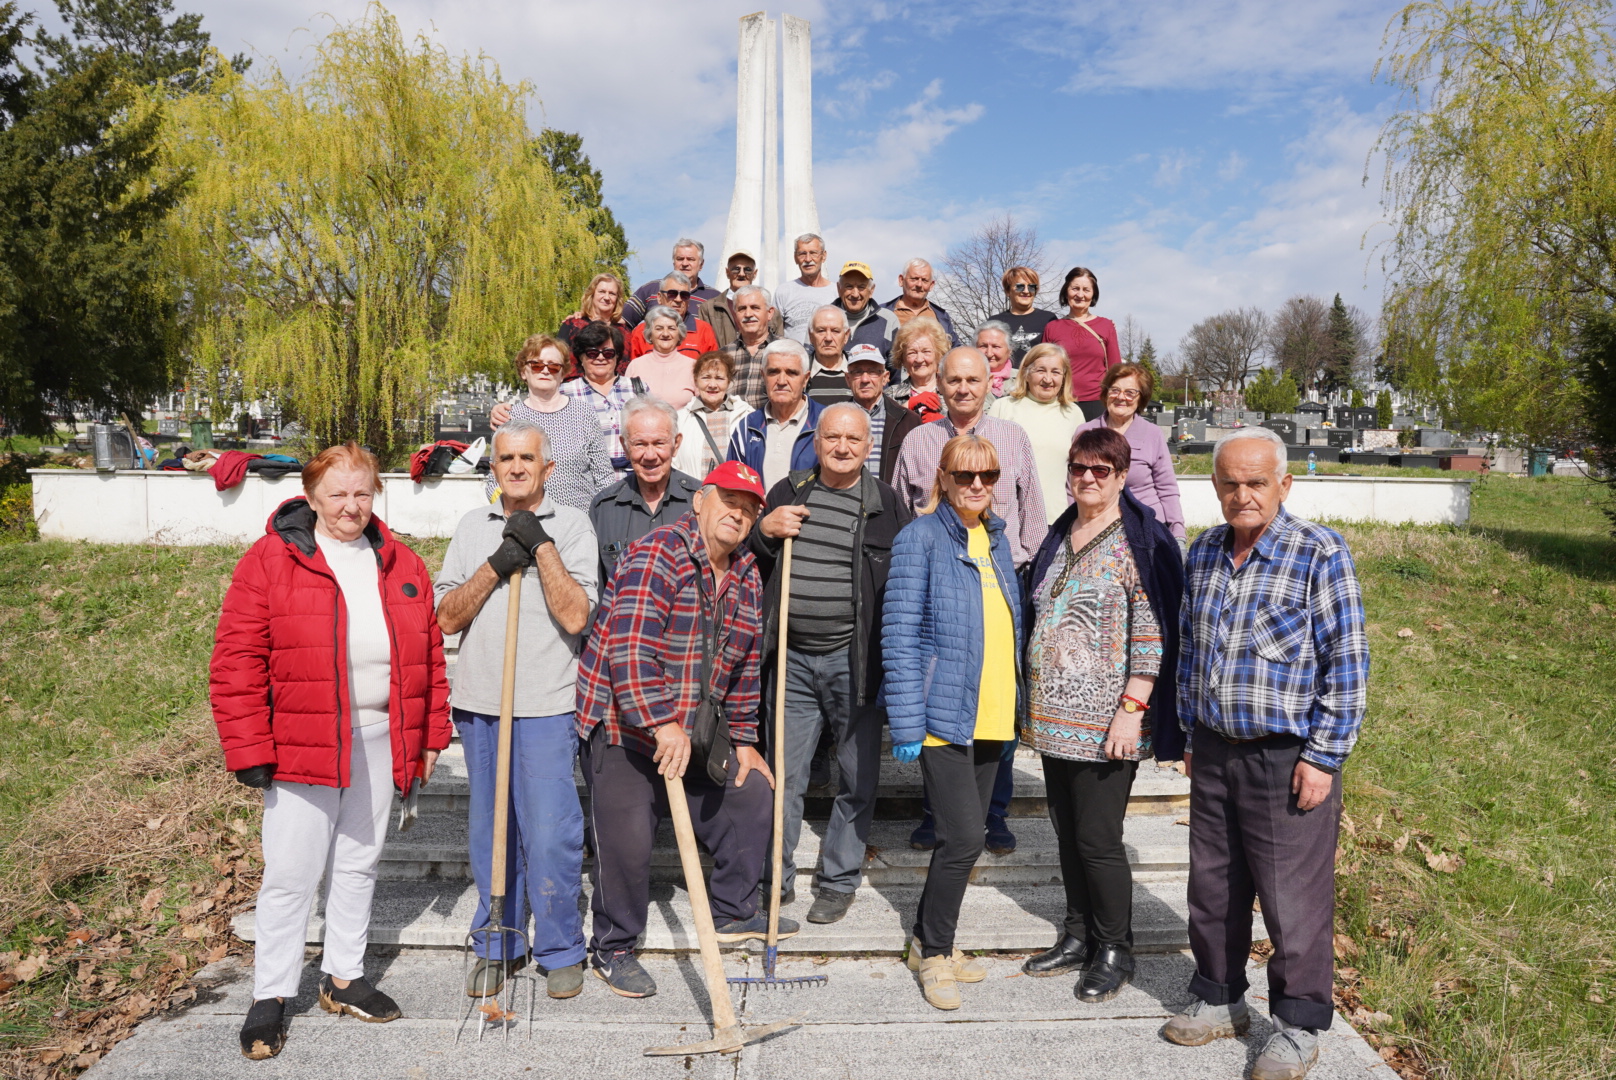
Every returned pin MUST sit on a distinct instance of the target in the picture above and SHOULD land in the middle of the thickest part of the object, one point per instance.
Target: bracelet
(1142, 705)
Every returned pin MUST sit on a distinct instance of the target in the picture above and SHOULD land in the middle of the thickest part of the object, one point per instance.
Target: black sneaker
(358, 998)
(623, 975)
(829, 906)
(755, 928)
(924, 838)
(1000, 840)
(263, 1033)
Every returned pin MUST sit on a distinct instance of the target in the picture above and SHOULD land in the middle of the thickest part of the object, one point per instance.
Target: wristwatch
(1132, 705)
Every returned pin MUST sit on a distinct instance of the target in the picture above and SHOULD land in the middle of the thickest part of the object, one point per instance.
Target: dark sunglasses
(966, 477)
(600, 354)
(545, 365)
(1025, 288)
(1077, 468)
(675, 294)
(742, 271)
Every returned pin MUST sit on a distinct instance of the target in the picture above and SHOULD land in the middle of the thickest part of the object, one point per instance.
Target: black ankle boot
(1108, 972)
(264, 1031)
(1069, 954)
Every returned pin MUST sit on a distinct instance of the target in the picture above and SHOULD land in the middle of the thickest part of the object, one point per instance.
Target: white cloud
(1170, 168)
(1231, 167)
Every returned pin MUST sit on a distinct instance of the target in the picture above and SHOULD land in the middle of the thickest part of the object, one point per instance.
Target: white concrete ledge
(134, 507)
(1389, 499)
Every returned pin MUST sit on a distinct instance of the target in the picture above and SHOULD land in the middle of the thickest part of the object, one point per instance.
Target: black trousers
(1248, 839)
(960, 781)
(1087, 802)
(628, 800)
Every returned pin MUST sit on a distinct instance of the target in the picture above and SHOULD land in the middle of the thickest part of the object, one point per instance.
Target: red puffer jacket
(279, 676)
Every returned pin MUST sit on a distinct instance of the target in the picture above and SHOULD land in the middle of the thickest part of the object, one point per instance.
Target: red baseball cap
(737, 476)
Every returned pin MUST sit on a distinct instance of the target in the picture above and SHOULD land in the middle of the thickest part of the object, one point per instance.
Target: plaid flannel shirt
(749, 370)
(608, 410)
(1277, 646)
(642, 666)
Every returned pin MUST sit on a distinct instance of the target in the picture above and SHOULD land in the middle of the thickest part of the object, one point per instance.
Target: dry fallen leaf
(1345, 946)
(79, 936)
(51, 1056)
(1400, 844)
(1440, 861)
(1405, 632)
(7, 981)
(1379, 820)
(27, 969)
(217, 953)
(154, 823)
(195, 932)
(1181, 821)
(495, 1014)
(149, 903)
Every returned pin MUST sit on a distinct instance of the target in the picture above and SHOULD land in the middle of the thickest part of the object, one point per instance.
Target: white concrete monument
(760, 130)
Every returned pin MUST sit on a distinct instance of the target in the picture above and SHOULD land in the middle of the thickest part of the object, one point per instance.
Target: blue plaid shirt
(1277, 646)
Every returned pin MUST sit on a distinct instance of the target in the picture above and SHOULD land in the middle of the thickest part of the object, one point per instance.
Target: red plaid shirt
(642, 666)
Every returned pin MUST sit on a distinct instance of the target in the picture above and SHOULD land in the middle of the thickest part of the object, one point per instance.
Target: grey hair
(851, 408)
(768, 301)
(786, 345)
(676, 277)
(640, 403)
(996, 326)
(807, 238)
(1262, 434)
(661, 311)
(518, 426)
(912, 263)
(840, 314)
(684, 242)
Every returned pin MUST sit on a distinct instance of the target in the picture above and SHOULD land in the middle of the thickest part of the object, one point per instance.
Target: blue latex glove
(906, 751)
(1008, 751)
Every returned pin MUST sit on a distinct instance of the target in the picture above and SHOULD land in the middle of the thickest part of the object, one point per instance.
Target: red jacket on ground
(279, 675)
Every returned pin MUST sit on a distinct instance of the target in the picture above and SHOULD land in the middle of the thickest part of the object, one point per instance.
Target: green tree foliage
(1357, 398)
(1596, 355)
(355, 240)
(1383, 409)
(1147, 360)
(1346, 345)
(563, 152)
(14, 80)
(137, 33)
(1501, 185)
(85, 316)
(1272, 393)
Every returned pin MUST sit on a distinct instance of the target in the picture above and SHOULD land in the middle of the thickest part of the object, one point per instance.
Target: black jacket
(899, 422)
(883, 515)
(1161, 571)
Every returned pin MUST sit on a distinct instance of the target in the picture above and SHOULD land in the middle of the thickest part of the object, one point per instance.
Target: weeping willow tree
(354, 240)
(1501, 183)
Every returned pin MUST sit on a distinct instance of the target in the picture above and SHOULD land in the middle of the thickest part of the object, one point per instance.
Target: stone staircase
(425, 897)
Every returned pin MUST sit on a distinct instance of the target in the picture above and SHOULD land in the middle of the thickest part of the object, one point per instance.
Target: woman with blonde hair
(952, 633)
(1041, 402)
(917, 351)
(602, 302)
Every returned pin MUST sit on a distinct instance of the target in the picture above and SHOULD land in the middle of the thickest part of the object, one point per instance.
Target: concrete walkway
(869, 1021)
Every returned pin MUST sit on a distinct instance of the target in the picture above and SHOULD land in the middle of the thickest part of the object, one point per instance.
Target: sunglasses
(1126, 395)
(600, 354)
(545, 365)
(967, 477)
(1077, 468)
(742, 271)
(1025, 289)
(675, 294)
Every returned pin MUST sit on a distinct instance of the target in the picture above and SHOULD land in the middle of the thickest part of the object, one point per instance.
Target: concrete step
(1020, 918)
(436, 847)
(1156, 790)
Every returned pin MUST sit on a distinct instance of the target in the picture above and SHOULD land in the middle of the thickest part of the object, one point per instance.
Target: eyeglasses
(1125, 395)
(546, 366)
(1025, 289)
(967, 477)
(675, 294)
(600, 354)
(742, 271)
(1077, 468)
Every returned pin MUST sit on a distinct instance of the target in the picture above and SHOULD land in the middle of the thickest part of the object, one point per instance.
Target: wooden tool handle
(780, 749)
(502, 762)
(712, 964)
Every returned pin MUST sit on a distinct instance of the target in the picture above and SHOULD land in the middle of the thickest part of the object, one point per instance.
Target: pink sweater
(1090, 355)
(1150, 472)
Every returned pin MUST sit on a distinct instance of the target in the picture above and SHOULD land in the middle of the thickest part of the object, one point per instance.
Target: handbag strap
(1091, 330)
(709, 639)
(718, 459)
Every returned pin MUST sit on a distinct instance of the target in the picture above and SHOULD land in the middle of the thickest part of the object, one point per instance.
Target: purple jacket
(1150, 476)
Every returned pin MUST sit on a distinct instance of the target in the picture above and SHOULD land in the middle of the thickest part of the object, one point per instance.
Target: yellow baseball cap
(857, 268)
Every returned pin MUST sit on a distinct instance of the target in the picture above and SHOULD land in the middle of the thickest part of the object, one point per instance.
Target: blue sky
(1197, 155)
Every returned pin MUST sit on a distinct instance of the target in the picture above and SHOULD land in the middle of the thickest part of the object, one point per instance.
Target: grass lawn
(1477, 889)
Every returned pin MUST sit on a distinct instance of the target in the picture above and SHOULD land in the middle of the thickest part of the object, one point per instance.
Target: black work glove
(510, 557)
(258, 776)
(525, 527)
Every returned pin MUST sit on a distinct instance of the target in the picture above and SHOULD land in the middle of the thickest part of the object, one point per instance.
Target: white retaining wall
(133, 507)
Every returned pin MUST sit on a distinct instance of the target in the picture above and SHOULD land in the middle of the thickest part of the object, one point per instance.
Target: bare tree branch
(970, 278)
(1224, 349)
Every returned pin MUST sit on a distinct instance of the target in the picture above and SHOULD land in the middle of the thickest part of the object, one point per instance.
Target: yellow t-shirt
(996, 693)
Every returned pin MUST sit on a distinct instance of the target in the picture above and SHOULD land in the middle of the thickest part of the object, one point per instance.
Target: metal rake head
(768, 978)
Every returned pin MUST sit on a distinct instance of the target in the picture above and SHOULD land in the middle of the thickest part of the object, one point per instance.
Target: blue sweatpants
(545, 837)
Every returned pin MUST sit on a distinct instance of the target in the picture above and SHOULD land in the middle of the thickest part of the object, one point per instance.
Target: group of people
(1009, 569)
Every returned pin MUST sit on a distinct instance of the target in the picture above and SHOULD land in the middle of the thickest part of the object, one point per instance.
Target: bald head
(964, 381)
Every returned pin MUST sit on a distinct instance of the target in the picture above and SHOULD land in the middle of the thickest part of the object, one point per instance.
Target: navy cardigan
(1161, 571)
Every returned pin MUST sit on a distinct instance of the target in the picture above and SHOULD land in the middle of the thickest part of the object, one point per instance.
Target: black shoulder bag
(709, 737)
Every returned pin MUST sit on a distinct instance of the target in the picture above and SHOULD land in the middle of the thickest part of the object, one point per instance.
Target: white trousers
(313, 832)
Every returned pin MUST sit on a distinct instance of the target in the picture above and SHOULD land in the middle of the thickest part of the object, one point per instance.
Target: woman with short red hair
(329, 692)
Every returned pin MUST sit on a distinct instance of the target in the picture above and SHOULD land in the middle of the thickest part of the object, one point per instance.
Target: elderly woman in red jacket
(329, 691)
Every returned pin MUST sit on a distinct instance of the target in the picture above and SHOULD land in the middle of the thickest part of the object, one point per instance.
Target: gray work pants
(819, 691)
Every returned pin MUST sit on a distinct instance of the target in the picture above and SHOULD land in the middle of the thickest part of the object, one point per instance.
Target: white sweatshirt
(369, 649)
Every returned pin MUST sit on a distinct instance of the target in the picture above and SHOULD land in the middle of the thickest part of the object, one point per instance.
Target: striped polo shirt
(821, 572)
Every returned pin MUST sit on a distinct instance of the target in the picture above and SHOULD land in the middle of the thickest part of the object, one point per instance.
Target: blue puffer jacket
(931, 627)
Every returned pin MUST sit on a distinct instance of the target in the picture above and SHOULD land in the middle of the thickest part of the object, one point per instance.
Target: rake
(494, 934)
(771, 949)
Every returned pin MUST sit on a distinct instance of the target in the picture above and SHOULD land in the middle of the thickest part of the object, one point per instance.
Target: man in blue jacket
(778, 439)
